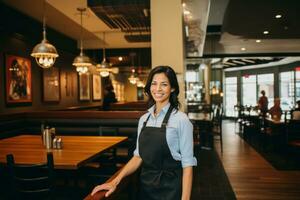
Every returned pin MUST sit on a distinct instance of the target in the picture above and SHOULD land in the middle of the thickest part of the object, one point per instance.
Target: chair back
(31, 181)
(217, 123)
(293, 130)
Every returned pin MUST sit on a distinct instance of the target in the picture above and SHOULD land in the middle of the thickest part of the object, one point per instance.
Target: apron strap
(145, 122)
(167, 116)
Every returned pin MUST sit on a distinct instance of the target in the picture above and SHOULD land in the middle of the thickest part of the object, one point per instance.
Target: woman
(109, 97)
(276, 111)
(164, 146)
(263, 103)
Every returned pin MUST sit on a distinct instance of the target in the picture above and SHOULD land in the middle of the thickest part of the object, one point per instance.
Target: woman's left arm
(187, 179)
(188, 160)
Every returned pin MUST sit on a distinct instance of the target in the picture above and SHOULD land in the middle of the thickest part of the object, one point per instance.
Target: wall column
(167, 39)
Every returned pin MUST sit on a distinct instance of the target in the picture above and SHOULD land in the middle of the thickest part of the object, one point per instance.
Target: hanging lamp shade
(82, 62)
(44, 53)
(103, 67)
(132, 78)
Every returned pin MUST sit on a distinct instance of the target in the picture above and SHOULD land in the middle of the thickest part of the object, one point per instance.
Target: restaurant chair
(217, 124)
(35, 181)
(293, 134)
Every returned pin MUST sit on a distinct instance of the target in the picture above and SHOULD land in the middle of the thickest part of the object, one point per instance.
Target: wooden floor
(250, 175)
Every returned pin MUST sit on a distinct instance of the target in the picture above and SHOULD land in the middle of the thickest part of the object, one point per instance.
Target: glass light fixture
(103, 67)
(214, 90)
(140, 84)
(82, 62)
(44, 53)
(132, 78)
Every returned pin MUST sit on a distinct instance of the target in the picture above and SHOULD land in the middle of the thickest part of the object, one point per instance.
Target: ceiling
(235, 34)
(244, 24)
(63, 13)
(234, 26)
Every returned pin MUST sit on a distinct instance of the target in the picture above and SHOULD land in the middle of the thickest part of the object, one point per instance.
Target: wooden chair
(34, 181)
(127, 188)
(217, 124)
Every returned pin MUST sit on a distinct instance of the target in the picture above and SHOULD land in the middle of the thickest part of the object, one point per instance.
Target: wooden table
(275, 121)
(204, 123)
(200, 117)
(77, 150)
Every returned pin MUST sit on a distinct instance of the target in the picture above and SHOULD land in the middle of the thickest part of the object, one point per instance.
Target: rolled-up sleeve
(186, 142)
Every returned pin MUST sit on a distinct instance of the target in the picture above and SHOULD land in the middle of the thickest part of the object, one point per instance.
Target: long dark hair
(170, 73)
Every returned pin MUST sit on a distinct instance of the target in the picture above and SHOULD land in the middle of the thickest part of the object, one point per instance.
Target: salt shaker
(54, 143)
(59, 143)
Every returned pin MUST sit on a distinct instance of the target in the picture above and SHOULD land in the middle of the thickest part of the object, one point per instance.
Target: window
(287, 90)
(194, 86)
(297, 85)
(266, 82)
(192, 76)
(249, 90)
(231, 95)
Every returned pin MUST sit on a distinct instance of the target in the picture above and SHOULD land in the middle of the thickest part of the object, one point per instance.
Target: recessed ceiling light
(183, 4)
(243, 49)
(266, 32)
(120, 58)
(278, 16)
(258, 41)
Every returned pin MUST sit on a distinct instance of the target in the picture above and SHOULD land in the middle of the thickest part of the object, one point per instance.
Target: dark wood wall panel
(18, 35)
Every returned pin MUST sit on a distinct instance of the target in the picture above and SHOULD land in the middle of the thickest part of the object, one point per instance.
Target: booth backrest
(71, 123)
(129, 106)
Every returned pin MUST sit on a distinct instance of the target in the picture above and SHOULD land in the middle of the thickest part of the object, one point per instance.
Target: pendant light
(103, 67)
(82, 62)
(44, 53)
(132, 78)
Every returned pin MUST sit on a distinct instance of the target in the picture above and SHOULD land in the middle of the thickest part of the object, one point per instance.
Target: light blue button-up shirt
(179, 134)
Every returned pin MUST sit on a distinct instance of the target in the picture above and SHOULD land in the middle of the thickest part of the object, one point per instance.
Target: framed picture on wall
(18, 79)
(51, 85)
(96, 87)
(84, 87)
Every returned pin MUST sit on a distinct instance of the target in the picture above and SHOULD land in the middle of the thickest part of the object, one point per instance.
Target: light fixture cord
(104, 57)
(81, 46)
(44, 20)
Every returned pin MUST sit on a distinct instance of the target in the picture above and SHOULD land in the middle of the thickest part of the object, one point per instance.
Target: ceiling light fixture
(82, 62)
(140, 84)
(266, 32)
(243, 49)
(103, 67)
(202, 66)
(278, 16)
(44, 53)
(257, 41)
(133, 79)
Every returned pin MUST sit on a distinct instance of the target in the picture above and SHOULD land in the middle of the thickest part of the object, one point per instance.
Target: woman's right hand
(110, 187)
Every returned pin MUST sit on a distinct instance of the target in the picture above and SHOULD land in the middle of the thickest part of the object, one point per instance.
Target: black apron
(161, 175)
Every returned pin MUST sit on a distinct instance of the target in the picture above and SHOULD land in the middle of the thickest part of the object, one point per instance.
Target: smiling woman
(164, 148)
